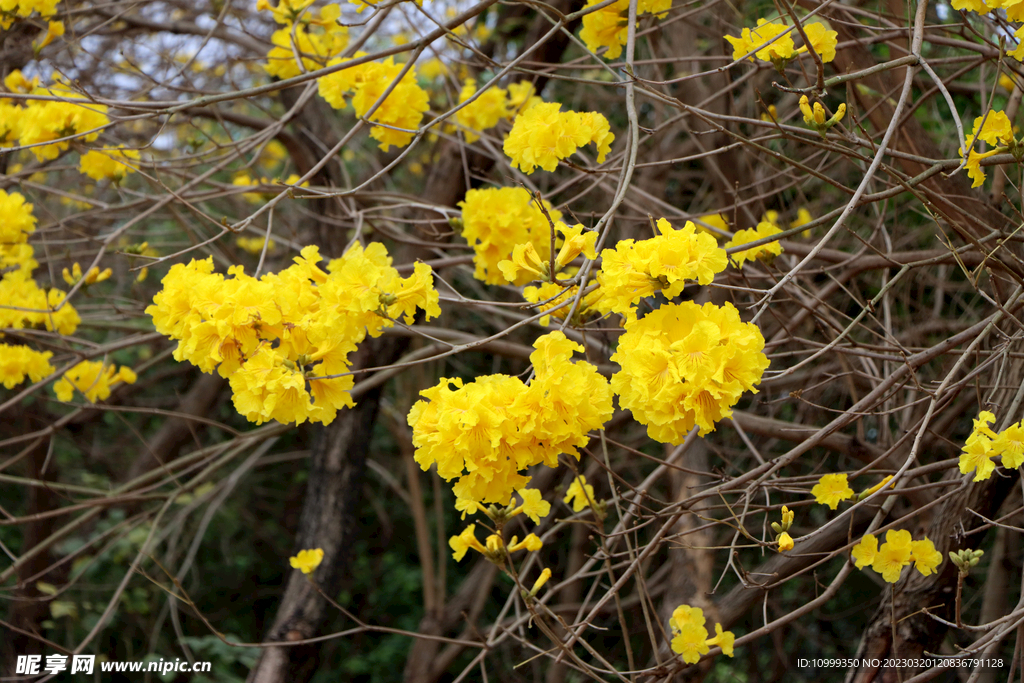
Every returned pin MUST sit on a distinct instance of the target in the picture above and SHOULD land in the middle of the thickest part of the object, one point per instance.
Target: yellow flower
(785, 541)
(54, 30)
(973, 165)
(531, 543)
(482, 113)
(534, 506)
(723, 639)
(307, 560)
(580, 493)
(894, 555)
(541, 580)
(716, 220)
(525, 262)
(634, 270)
(1010, 444)
(831, 489)
(757, 41)
(402, 110)
(977, 455)
(93, 379)
(689, 634)
(111, 163)
(803, 217)
(995, 130)
(464, 541)
(925, 557)
(765, 252)
(865, 551)
(822, 40)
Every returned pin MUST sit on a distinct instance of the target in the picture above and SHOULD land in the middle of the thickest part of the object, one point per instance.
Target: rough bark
(333, 496)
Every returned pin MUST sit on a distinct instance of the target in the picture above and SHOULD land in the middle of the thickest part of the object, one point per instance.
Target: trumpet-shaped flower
(864, 552)
(894, 554)
(307, 560)
(93, 379)
(831, 489)
(580, 494)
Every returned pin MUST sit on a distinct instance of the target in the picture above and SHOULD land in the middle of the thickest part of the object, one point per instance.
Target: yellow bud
(539, 583)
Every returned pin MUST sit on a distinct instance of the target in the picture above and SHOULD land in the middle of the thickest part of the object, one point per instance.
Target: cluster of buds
(816, 117)
(494, 548)
(92, 277)
(965, 559)
(784, 540)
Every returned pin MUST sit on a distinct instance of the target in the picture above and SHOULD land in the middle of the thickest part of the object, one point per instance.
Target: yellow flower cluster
(74, 276)
(16, 224)
(898, 551)
(494, 105)
(609, 26)
(984, 444)
(484, 112)
(281, 338)
(690, 638)
(634, 270)
(770, 42)
(495, 220)
(765, 252)
(685, 365)
(366, 83)
(542, 136)
(93, 379)
(495, 549)
(17, 288)
(19, 362)
(996, 130)
(19, 291)
(314, 40)
(109, 163)
(12, 9)
(43, 121)
(831, 489)
(487, 431)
